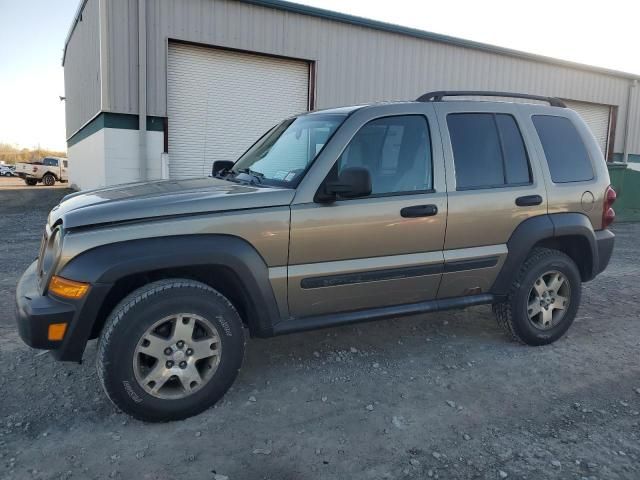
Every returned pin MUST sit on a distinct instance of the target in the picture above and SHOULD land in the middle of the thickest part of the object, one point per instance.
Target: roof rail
(438, 96)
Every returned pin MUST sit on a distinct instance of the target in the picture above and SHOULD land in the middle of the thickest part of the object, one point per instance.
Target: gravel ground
(437, 396)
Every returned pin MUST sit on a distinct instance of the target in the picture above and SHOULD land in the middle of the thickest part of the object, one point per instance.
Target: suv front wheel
(170, 350)
(543, 300)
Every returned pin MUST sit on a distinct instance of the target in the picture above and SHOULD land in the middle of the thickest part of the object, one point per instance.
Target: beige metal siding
(220, 102)
(354, 63)
(122, 44)
(634, 122)
(82, 70)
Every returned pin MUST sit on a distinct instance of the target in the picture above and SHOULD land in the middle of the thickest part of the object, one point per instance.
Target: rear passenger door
(494, 184)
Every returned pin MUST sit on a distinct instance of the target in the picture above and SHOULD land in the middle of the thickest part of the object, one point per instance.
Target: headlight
(49, 255)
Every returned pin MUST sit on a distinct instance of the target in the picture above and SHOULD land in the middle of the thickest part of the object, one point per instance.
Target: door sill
(315, 322)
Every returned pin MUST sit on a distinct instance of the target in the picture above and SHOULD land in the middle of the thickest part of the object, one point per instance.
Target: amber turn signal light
(68, 288)
(56, 331)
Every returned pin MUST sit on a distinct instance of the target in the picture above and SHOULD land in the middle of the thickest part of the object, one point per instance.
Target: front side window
(284, 153)
(397, 153)
(566, 154)
(488, 151)
(51, 162)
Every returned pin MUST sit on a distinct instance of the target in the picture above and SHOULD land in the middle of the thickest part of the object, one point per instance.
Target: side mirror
(353, 182)
(220, 166)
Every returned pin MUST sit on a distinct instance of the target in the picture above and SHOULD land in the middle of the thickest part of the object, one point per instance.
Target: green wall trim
(633, 157)
(626, 183)
(124, 121)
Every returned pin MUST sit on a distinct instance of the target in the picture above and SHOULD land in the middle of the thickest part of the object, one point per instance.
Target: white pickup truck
(48, 171)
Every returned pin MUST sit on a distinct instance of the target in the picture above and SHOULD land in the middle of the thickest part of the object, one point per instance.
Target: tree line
(11, 154)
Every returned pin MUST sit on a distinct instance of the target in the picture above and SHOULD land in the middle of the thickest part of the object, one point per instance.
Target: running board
(315, 322)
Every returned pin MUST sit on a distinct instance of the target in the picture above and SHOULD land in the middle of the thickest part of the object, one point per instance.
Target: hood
(147, 200)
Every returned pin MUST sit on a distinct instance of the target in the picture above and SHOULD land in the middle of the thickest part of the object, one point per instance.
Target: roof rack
(438, 96)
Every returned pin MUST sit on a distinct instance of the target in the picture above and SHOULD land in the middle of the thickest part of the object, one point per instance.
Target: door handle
(419, 211)
(529, 201)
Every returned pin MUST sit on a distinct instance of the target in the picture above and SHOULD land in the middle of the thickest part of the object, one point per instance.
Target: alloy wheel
(548, 300)
(177, 356)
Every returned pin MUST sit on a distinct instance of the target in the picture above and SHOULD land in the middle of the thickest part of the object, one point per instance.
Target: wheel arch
(571, 233)
(227, 263)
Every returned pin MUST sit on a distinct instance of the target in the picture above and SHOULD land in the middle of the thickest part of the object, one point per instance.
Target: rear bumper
(35, 312)
(24, 176)
(605, 240)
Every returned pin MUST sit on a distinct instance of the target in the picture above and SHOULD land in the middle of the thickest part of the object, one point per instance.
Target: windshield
(285, 152)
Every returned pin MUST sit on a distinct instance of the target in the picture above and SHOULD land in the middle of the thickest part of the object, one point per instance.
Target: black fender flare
(536, 229)
(104, 265)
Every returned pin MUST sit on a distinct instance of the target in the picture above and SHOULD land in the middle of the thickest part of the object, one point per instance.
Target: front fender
(105, 265)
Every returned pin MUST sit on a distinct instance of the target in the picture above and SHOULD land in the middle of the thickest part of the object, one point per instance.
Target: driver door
(384, 249)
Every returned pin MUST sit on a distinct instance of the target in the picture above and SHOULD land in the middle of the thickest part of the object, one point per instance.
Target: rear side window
(488, 151)
(566, 153)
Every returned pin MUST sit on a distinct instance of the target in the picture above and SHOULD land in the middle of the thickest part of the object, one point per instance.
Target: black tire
(138, 312)
(512, 315)
(49, 179)
(30, 181)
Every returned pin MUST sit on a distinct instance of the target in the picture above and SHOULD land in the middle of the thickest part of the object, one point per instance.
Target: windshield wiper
(256, 176)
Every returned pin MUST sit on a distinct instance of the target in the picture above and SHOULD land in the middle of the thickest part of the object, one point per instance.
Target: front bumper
(605, 240)
(35, 312)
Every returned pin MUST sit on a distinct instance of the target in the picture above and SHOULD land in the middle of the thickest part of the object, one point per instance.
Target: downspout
(142, 86)
(625, 154)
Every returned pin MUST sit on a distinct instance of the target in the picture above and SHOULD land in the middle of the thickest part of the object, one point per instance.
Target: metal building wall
(634, 121)
(354, 63)
(82, 69)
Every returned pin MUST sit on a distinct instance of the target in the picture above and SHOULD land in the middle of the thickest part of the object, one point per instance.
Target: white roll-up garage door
(596, 117)
(220, 102)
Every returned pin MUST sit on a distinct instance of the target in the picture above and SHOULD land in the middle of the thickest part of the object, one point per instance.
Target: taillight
(608, 213)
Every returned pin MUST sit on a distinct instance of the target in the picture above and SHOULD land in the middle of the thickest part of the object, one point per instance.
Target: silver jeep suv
(332, 217)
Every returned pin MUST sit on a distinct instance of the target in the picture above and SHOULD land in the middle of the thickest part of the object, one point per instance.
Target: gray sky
(32, 34)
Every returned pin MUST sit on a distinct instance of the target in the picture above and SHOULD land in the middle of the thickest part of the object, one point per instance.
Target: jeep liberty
(333, 217)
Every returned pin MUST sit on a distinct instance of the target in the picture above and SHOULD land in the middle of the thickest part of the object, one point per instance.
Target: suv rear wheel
(170, 350)
(30, 181)
(543, 300)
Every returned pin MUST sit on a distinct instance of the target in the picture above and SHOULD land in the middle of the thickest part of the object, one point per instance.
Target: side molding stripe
(370, 276)
(397, 273)
(473, 264)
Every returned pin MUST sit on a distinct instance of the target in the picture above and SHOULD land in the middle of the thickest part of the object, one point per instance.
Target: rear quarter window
(566, 153)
